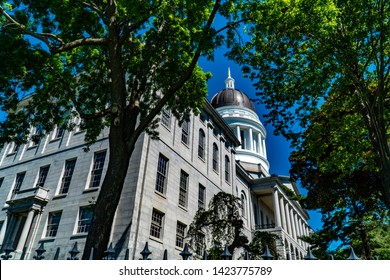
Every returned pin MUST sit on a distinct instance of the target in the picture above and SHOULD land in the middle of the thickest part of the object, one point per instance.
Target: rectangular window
(43, 171)
(97, 169)
(1, 181)
(162, 171)
(185, 133)
(59, 133)
(166, 117)
(18, 183)
(242, 136)
(85, 219)
(52, 223)
(200, 244)
(156, 227)
(180, 234)
(183, 188)
(67, 176)
(201, 197)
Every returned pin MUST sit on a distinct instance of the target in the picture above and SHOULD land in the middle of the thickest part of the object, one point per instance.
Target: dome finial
(229, 81)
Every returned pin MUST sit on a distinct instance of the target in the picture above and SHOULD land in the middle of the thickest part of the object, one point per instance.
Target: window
(243, 205)
(162, 171)
(242, 135)
(227, 169)
(1, 181)
(67, 176)
(97, 169)
(18, 183)
(200, 244)
(42, 176)
(14, 148)
(156, 226)
(215, 158)
(85, 219)
(185, 133)
(36, 135)
(180, 234)
(183, 188)
(201, 197)
(166, 117)
(59, 132)
(202, 117)
(52, 223)
(201, 144)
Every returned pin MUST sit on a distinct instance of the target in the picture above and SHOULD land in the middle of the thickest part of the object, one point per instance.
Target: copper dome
(232, 97)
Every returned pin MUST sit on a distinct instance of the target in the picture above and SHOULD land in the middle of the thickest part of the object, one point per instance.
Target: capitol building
(47, 186)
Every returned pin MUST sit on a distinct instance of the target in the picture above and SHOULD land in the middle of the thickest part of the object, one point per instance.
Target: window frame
(96, 173)
(52, 227)
(201, 144)
(215, 158)
(84, 223)
(183, 188)
(162, 174)
(66, 178)
(157, 224)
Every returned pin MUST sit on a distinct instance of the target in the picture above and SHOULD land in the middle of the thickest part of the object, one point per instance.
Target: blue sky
(278, 149)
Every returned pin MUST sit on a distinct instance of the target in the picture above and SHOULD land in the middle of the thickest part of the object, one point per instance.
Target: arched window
(215, 158)
(201, 144)
(227, 169)
(243, 205)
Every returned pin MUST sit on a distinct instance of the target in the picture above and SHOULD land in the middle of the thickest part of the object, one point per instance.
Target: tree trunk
(109, 196)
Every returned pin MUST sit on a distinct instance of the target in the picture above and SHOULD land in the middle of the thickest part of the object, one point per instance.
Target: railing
(264, 226)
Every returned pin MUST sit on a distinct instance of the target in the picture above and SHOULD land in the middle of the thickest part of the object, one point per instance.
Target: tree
(111, 63)
(221, 223)
(304, 53)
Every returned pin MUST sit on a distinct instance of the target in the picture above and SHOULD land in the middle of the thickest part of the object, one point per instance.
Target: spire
(229, 81)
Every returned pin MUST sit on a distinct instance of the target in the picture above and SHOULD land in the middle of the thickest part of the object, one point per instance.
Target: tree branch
(184, 78)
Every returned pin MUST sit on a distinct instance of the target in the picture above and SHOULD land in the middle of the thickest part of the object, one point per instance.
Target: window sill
(91, 190)
(59, 196)
(158, 240)
(79, 235)
(160, 194)
(183, 208)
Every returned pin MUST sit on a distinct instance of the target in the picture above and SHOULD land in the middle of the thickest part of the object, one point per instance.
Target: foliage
(221, 224)
(303, 54)
(102, 64)
(260, 239)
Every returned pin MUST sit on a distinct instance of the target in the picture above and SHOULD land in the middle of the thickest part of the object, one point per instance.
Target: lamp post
(40, 252)
(185, 254)
(309, 255)
(73, 253)
(267, 254)
(110, 252)
(8, 249)
(145, 252)
(352, 255)
(226, 255)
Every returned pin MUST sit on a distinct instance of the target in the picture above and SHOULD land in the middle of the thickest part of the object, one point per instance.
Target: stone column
(259, 143)
(288, 219)
(250, 140)
(3, 229)
(26, 229)
(238, 133)
(276, 206)
(264, 149)
(281, 205)
(294, 232)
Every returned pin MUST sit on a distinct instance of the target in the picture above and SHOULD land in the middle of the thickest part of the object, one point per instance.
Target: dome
(232, 97)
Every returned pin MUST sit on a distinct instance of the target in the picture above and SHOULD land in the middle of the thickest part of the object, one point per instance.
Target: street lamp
(309, 255)
(267, 254)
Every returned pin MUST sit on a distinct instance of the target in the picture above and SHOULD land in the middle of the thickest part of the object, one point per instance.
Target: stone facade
(47, 187)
